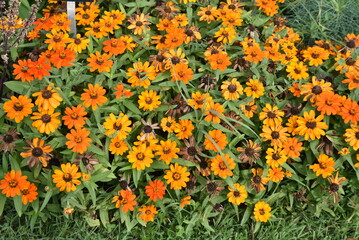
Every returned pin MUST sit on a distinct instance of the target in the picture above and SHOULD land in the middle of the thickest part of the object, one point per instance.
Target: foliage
(180, 115)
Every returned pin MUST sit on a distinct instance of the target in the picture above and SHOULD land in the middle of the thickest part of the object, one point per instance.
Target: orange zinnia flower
(100, 62)
(175, 37)
(292, 147)
(63, 58)
(114, 46)
(254, 54)
(94, 96)
(216, 137)
(181, 72)
(350, 111)
(120, 91)
(214, 112)
(18, 108)
(219, 61)
(57, 40)
(148, 213)
(67, 178)
(125, 200)
(184, 128)
(223, 166)
(28, 193)
(75, 116)
(328, 103)
(40, 68)
(155, 190)
(78, 140)
(13, 183)
(325, 166)
(21, 70)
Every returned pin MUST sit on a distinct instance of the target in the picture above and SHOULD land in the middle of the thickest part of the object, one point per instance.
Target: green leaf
(104, 217)
(92, 189)
(18, 205)
(132, 107)
(2, 203)
(46, 200)
(16, 86)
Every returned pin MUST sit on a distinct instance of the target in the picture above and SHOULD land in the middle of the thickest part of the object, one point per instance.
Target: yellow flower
(238, 194)
(149, 100)
(67, 177)
(177, 176)
(141, 157)
(262, 212)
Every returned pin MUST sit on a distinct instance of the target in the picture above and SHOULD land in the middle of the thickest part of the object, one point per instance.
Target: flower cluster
(179, 104)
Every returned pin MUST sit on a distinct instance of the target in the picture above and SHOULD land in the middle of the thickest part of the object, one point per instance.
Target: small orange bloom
(75, 116)
(13, 183)
(94, 96)
(155, 190)
(125, 200)
(28, 192)
(100, 62)
(78, 140)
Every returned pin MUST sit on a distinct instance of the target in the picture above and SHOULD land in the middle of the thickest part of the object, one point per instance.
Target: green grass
(301, 226)
(322, 19)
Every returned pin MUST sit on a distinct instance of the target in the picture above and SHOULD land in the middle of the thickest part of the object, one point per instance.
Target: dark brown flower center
(276, 156)
(176, 176)
(25, 192)
(160, 58)
(189, 32)
(57, 39)
(261, 211)
(85, 16)
(8, 138)
(167, 9)
(67, 177)
(203, 164)
(166, 150)
(148, 100)
(117, 126)
(357, 135)
(18, 106)
(208, 12)
(148, 212)
(175, 60)
(77, 41)
(334, 187)
(350, 61)
(248, 107)
(311, 125)
(46, 118)
(222, 166)
(140, 156)
(297, 71)
(46, 94)
(275, 135)
(232, 88)
(257, 179)
(350, 43)
(191, 151)
(211, 186)
(139, 23)
(93, 95)
(236, 194)
(147, 129)
(13, 183)
(271, 115)
(315, 55)
(78, 139)
(37, 152)
(249, 152)
(317, 90)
